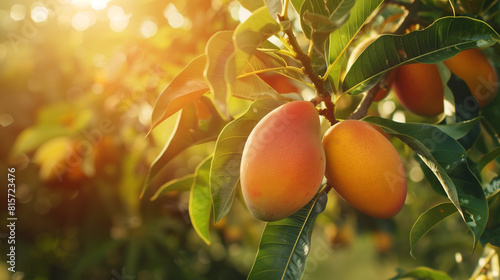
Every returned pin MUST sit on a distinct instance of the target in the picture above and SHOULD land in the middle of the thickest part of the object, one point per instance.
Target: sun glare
(95, 4)
(173, 16)
(18, 12)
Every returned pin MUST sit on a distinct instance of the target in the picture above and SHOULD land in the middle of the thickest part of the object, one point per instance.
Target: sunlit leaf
(33, 137)
(218, 49)
(274, 7)
(252, 87)
(443, 39)
(423, 273)
(225, 171)
(247, 37)
(297, 4)
(446, 158)
(285, 244)
(188, 85)
(179, 184)
(251, 5)
(320, 18)
(190, 130)
(340, 38)
(200, 204)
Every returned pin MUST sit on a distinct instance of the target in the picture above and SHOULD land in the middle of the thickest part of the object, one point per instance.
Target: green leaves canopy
(443, 39)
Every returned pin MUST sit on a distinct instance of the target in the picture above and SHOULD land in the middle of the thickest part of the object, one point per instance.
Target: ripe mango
(364, 168)
(283, 161)
(419, 88)
(479, 74)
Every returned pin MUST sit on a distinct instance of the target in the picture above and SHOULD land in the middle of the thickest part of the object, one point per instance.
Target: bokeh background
(78, 81)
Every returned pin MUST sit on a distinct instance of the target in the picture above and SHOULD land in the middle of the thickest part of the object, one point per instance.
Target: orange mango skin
(383, 90)
(419, 88)
(475, 69)
(365, 169)
(283, 161)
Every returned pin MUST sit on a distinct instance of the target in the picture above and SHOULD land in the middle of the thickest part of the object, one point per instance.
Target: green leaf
(285, 244)
(247, 37)
(218, 49)
(458, 130)
(487, 158)
(423, 273)
(200, 204)
(188, 85)
(320, 18)
(189, 130)
(443, 39)
(225, 171)
(251, 5)
(297, 4)
(342, 37)
(33, 137)
(447, 160)
(428, 220)
(179, 184)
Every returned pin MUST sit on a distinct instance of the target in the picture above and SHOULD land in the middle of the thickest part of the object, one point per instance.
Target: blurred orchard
(78, 82)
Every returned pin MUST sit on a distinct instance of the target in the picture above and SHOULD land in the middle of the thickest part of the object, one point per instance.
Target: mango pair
(285, 159)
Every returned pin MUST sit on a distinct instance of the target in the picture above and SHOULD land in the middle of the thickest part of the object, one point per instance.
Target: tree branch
(308, 70)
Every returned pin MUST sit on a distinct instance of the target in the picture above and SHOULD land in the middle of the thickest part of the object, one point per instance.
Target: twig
(308, 70)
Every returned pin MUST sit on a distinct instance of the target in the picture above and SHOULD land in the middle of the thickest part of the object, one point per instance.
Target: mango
(478, 73)
(283, 161)
(364, 168)
(419, 89)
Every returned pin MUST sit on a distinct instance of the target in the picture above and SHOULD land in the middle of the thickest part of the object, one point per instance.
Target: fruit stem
(308, 70)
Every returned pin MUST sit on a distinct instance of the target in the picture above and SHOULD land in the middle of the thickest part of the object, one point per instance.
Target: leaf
(424, 273)
(465, 108)
(200, 204)
(190, 130)
(274, 6)
(443, 39)
(447, 160)
(458, 130)
(218, 49)
(428, 220)
(33, 137)
(297, 4)
(251, 5)
(487, 158)
(225, 171)
(285, 244)
(320, 18)
(342, 37)
(179, 184)
(188, 85)
(247, 37)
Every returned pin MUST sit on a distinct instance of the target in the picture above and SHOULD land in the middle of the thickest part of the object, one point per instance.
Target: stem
(284, 11)
(308, 70)
(296, 69)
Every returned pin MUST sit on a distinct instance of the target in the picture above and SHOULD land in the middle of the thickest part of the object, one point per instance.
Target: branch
(308, 70)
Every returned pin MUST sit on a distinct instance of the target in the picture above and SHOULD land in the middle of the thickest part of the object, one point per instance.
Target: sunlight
(118, 20)
(174, 18)
(148, 28)
(95, 4)
(18, 12)
(39, 13)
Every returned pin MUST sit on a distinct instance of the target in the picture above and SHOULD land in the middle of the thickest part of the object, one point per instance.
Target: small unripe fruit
(475, 69)
(419, 88)
(364, 168)
(283, 161)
